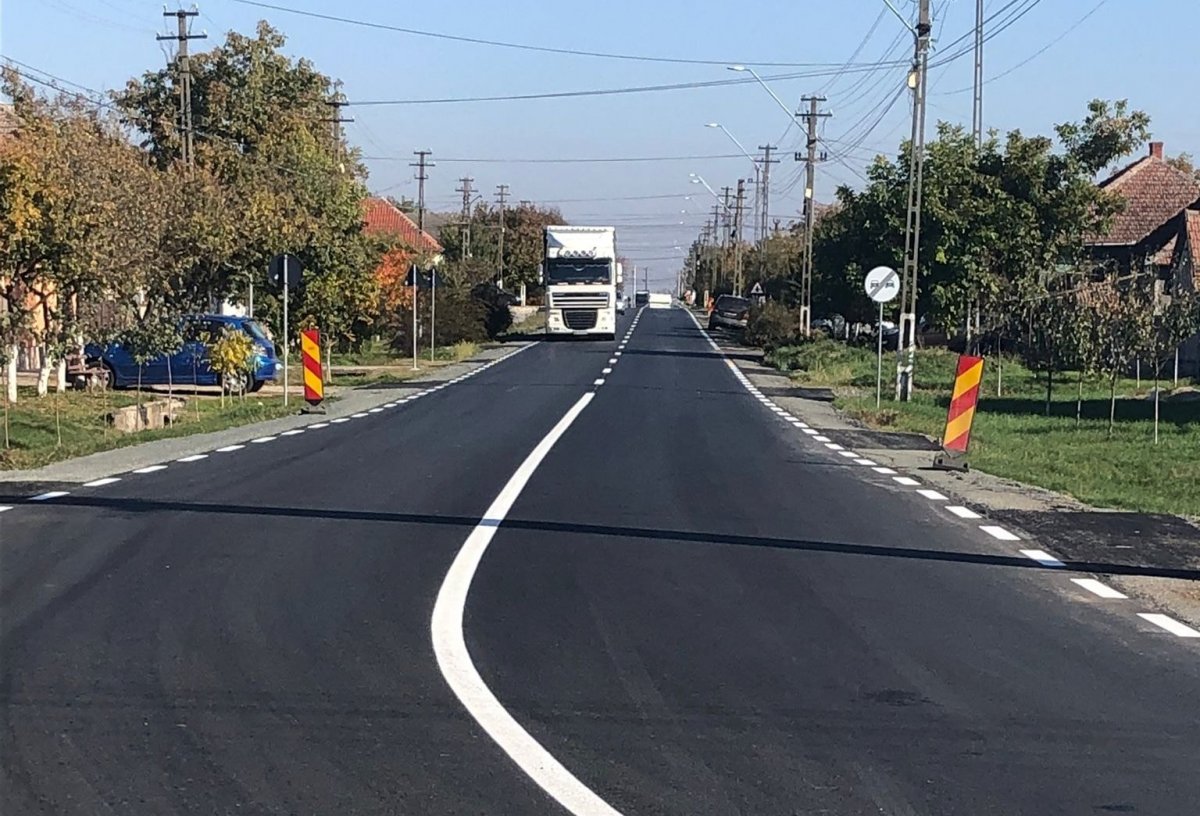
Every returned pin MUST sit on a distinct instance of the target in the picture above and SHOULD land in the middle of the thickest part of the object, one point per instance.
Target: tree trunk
(58, 417)
(139, 399)
(999, 366)
(1156, 400)
(60, 375)
(1112, 403)
(1079, 400)
(10, 377)
(1049, 387)
(43, 377)
(6, 402)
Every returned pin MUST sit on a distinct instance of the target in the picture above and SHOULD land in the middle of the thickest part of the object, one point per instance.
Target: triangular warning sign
(757, 289)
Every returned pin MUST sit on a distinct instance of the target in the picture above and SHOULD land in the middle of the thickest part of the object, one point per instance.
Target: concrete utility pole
(718, 268)
(422, 164)
(501, 198)
(764, 196)
(336, 120)
(977, 110)
(906, 353)
(467, 191)
(187, 145)
(738, 220)
(726, 220)
(810, 211)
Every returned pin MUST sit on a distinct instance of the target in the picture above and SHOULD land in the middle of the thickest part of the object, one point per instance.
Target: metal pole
(414, 310)
(285, 330)
(432, 311)
(251, 303)
(879, 360)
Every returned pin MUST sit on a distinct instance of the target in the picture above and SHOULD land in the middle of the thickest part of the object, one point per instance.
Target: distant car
(660, 300)
(730, 312)
(833, 326)
(622, 303)
(641, 298)
(189, 365)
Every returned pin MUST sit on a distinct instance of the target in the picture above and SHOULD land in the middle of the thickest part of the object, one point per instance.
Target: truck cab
(581, 274)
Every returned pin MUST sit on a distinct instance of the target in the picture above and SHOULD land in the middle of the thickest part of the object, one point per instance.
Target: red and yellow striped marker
(310, 350)
(963, 401)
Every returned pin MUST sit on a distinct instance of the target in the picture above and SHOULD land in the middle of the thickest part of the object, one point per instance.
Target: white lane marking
(293, 432)
(834, 446)
(932, 495)
(821, 438)
(963, 512)
(230, 448)
(801, 424)
(606, 371)
(317, 426)
(612, 360)
(618, 353)
(375, 411)
(599, 381)
(196, 457)
(4, 508)
(359, 415)
(865, 462)
(263, 439)
(53, 494)
(454, 659)
(102, 482)
(1096, 588)
(810, 431)
(886, 471)
(151, 469)
(848, 454)
(1000, 533)
(907, 481)
(1170, 624)
(339, 420)
(1041, 556)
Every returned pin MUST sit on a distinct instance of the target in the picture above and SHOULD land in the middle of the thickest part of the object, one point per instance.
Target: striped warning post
(310, 350)
(962, 405)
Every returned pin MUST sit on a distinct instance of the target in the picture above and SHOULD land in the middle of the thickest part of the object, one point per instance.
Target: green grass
(1014, 438)
(381, 354)
(34, 435)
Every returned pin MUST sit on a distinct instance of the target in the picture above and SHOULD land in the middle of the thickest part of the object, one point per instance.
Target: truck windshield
(575, 270)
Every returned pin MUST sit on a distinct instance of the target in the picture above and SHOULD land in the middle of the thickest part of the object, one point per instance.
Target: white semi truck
(581, 274)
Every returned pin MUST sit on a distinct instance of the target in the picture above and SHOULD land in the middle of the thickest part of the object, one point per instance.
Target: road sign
(314, 382)
(963, 401)
(288, 265)
(757, 289)
(882, 284)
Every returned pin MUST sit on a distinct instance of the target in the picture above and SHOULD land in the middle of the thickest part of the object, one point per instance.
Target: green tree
(232, 357)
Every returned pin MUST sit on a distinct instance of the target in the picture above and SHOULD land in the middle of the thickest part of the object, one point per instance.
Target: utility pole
(810, 210)
(726, 221)
(907, 346)
(336, 119)
(717, 268)
(738, 220)
(764, 196)
(501, 198)
(466, 191)
(187, 146)
(977, 110)
(422, 164)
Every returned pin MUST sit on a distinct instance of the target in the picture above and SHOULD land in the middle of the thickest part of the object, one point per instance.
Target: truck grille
(579, 319)
(579, 300)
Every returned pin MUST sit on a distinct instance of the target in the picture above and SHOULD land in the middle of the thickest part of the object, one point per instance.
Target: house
(382, 218)
(1158, 231)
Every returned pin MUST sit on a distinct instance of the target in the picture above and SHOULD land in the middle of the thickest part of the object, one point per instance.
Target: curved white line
(454, 660)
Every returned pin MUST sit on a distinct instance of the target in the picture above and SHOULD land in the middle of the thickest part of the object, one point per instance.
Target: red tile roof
(1154, 193)
(381, 217)
(1192, 230)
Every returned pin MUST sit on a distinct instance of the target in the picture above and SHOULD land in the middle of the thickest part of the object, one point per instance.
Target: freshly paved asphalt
(693, 607)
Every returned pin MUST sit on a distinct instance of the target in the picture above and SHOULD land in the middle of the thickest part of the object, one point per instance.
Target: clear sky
(1124, 49)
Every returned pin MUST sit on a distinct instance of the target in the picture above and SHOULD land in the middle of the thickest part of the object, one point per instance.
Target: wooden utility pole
(422, 164)
(336, 119)
(467, 191)
(501, 198)
(810, 210)
(187, 143)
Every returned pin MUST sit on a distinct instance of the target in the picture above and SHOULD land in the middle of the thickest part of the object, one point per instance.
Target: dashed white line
(195, 457)
(293, 432)
(809, 431)
(886, 471)
(263, 440)
(907, 481)
(375, 411)
(151, 469)
(932, 495)
(864, 462)
(53, 494)
(4, 508)
(1170, 624)
(612, 360)
(848, 454)
(822, 438)
(1000, 533)
(599, 381)
(1041, 556)
(1096, 588)
(834, 446)
(339, 420)
(963, 512)
(606, 371)
(102, 482)
(618, 353)
(230, 448)
(359, 415)
(316, 426)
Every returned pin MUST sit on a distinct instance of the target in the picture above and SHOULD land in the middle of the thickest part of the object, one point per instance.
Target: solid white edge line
(195, 457)
(53, 494)
(1000, 533)
(963, 512)
(102, 482)
(1041, 556)
(150, 469)
(1170, 624)
(932, 495)
(1097, 588)
(454, 659)
(907, 481)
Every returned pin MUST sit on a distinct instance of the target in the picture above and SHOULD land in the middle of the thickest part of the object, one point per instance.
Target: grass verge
(35, 423)
(1014, 437)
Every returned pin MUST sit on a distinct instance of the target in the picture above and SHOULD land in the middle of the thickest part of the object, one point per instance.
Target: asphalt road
(691, 606)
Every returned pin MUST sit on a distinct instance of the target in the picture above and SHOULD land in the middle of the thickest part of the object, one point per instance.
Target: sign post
(285, 271)
(314, 383)
(961, 414)
(413, 279)
(432, 312)
(882, 285)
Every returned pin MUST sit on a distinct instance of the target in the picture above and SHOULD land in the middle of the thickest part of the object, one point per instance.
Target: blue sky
(1123, 50)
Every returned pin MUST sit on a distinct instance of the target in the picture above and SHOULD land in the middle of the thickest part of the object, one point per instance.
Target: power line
(584, 160)
(525, 46)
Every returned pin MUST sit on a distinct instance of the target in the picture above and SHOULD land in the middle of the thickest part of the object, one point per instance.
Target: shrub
(772, 326)
(474, 316)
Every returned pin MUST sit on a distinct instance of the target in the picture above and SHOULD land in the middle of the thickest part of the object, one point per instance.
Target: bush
(462, 317)
(772, 326)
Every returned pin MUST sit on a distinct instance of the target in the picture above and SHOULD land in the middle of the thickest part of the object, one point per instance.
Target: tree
(232, 356)
(1184, 164)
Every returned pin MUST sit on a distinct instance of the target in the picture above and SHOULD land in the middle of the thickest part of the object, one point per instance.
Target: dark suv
(730, 312)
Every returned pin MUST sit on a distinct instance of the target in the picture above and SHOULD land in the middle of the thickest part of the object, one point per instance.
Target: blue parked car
(189, 366)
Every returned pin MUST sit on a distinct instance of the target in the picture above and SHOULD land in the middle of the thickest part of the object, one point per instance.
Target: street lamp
(734, 139)
(790, 113)
(695, 179)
